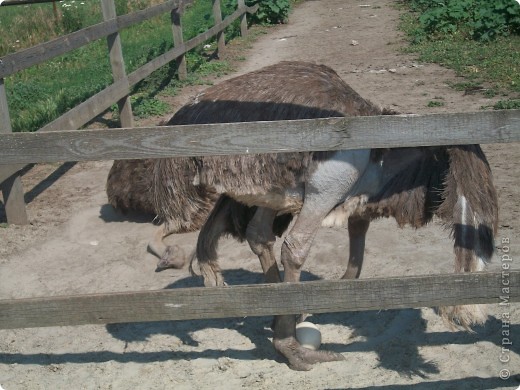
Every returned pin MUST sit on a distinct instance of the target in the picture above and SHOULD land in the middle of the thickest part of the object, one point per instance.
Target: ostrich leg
(357, 230)
(261, 239)
(330, 183)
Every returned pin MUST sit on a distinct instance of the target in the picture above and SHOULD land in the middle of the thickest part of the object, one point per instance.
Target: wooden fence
(239, 138)
(119, 91)
(260, 300)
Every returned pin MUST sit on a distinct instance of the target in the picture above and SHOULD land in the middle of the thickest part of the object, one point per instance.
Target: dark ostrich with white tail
(336, 187)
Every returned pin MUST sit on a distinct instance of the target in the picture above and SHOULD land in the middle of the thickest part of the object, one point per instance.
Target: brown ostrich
(128, 188)
(353, 186)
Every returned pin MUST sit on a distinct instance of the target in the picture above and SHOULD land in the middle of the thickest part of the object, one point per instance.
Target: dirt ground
(77, 244)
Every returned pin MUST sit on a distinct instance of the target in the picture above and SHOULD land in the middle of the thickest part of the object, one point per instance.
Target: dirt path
(77, 244)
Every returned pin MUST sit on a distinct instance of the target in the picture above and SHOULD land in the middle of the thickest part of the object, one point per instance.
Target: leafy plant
(434, 103)
(490, 61)
(467, 85)
(73, 16)
(478, 19)
(270, 11)
(145, 106)
(510, 104)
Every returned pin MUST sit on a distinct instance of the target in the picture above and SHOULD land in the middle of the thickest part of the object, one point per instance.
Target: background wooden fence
(119, 91)
(60, 144)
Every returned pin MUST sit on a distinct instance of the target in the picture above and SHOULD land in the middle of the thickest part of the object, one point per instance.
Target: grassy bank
(486, 54)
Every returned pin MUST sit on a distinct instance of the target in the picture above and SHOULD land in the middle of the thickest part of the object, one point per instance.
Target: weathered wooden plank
(262, 137)
(159, 61)
(90, 108)
(7, 171)
(5, 118)
(128, 20)
(243, 19)
(117, 62)
(11, 186)
(261, 300)
(12, 192)
(217, 15)
(21, 2)
(178, 40)
(23, 59)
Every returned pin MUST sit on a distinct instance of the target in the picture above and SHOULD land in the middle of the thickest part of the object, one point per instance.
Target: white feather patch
(339, 216)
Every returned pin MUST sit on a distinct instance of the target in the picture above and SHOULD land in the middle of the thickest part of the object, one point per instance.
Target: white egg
(308, 335)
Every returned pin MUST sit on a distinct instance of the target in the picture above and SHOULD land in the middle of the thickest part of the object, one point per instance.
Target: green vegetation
(270, 11)
(479, 39)
(511, 104)
(41, 93)
(435, 103)
(482, 20)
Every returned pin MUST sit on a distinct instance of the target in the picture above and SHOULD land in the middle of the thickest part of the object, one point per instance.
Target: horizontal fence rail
(35, 55)
(262, 137)
(119, 91)
(22, 2)
(98, 103)
(261, 300)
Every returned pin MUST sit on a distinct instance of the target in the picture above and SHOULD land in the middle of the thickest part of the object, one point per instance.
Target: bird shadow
(107, 213)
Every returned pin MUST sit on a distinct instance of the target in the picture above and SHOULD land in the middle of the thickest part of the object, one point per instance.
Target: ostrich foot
(172, 257)
(211, 274)
(464, 316)
(300, 358)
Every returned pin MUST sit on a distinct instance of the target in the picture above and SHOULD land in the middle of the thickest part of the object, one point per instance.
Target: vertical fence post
(243, 19)
(217, 15)
(118, 64)
(178, 41)
(12, 189)
(55, 11)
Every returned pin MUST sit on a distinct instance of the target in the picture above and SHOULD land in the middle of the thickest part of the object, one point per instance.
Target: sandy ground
(77, 244)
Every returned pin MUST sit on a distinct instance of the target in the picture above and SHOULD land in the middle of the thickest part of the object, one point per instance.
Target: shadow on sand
(390, 334)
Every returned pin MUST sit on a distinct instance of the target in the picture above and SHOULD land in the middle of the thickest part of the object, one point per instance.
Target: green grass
(495, 62)
(511, 104)
(42, 93)
(435, 103)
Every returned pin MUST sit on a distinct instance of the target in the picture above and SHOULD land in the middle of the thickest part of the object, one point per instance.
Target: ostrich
(128, 189)
(417, 183)
(353, 186)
